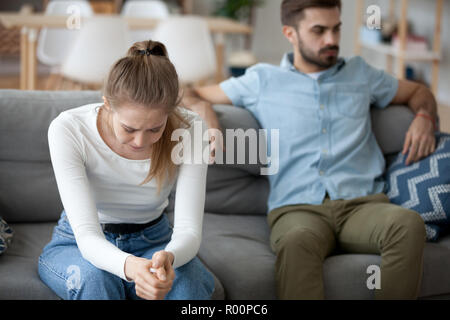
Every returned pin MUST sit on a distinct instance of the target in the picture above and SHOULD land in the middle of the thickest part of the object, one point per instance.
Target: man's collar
(288, 63)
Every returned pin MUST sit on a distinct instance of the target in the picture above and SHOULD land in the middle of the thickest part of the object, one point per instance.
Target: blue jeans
(62, 268)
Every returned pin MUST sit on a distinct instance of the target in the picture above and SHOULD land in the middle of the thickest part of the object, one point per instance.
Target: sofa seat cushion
(237, 248)
(19, 277)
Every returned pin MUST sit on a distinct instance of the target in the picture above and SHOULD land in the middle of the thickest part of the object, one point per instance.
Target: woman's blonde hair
(147, 77)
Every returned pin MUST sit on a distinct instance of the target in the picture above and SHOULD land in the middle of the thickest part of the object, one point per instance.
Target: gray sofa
(235, 244)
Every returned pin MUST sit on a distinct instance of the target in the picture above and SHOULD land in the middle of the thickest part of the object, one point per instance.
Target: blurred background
(209, 40)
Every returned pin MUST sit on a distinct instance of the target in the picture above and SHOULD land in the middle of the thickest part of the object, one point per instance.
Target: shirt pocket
(352, 100)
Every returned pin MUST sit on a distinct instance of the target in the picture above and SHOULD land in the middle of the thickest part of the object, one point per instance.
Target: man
(328, 192)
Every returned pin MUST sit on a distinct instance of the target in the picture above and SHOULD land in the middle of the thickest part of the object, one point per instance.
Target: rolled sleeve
(383, 87)
(243, 91)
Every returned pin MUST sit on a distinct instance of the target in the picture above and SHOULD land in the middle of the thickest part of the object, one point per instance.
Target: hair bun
(147, 48)
(158, 51)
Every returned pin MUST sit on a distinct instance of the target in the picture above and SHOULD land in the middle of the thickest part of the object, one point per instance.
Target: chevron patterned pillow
(6, 234)
(424, 186)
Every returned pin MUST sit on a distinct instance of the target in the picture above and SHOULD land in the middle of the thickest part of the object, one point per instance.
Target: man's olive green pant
(302, 236)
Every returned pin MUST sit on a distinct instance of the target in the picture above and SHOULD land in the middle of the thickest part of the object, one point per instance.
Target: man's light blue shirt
(326, 139)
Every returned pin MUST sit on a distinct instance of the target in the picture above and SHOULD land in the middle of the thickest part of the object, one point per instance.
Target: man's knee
(407, 223)
(303, 241)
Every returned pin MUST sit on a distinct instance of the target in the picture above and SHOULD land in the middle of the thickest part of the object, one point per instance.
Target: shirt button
(324, 151)
(324, 131)
(322, 107)
(321, 173)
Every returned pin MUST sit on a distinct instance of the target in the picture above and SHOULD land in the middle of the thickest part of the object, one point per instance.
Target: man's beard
(311, 58)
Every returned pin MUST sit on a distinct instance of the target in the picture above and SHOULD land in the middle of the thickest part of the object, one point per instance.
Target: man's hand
(148, 285)
(205, 110)
(420, 140)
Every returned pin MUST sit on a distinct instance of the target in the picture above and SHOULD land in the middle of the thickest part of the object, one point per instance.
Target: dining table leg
(220, 56)
(23, 58)
(32, 60)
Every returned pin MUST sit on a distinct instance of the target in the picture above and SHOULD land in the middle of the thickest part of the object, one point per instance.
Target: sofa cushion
(390, 126)
(240, 189)
(237, 249)
(234, 188)
(231, 188)
(6, 234)
(25, 168)
(26, 116)
(424, 186)
(19, 277)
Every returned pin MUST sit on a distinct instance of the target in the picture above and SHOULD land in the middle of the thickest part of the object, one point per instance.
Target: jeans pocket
(156, 239)
(158, 233)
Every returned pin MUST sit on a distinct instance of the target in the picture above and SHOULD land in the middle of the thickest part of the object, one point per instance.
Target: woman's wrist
(129, 268)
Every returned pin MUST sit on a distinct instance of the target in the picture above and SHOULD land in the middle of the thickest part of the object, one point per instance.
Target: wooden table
(31, 24)
(116, 5)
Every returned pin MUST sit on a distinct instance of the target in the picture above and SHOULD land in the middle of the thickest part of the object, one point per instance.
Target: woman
(114, 172)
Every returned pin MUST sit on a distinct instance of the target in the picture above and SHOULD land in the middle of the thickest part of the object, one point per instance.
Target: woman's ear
(106, 104)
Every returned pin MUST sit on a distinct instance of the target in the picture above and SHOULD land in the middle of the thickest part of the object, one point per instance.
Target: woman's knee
(81, 281)
(96, 284)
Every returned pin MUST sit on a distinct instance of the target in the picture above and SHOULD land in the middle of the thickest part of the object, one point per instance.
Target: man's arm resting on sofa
(420, 140)
(201, 100)
(212, 94)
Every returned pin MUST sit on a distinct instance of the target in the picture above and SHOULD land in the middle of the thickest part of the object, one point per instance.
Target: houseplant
(244, 11)
(238, 9)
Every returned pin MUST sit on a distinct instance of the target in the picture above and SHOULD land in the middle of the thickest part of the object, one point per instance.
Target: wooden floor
(13, 82)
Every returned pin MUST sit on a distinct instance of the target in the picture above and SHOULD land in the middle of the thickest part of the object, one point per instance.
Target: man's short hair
(292, 11)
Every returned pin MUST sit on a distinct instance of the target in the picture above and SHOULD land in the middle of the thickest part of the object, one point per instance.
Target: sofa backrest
(240, 189)
(28, 191)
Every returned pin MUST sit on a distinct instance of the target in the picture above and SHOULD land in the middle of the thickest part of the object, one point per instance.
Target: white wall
(421, 15)
(269, 44)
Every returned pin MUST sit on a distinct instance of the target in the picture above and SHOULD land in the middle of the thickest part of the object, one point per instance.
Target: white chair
(144, 9)
(190, 47)
(102, 41)
(54, 44)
